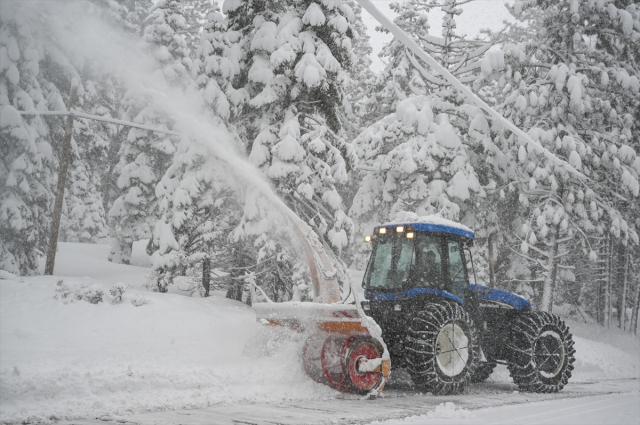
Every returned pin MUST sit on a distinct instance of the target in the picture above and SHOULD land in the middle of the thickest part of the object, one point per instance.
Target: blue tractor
(447, 332)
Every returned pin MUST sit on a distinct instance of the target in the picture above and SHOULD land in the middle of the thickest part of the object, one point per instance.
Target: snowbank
(76, 359)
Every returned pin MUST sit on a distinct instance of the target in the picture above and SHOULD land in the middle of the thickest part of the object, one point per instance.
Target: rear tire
(541, 353)
(483, 371)
(442, 348)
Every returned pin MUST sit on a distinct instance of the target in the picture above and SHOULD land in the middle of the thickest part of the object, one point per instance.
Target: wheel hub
(452, 350)
(549, 354)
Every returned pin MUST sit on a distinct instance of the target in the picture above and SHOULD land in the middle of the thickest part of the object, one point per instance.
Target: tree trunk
(62, 181)
(234, 291)
(206, 275)
(550, 280)
(607, 284)
(623, 297)
(636, 303)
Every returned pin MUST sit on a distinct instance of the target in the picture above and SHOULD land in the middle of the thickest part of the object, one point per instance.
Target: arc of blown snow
(413, 46)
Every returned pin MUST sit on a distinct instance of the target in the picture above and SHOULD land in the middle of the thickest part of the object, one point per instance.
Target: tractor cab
(419, 258)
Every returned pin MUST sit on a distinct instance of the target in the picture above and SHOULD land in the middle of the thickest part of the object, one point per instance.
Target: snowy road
(608, 402)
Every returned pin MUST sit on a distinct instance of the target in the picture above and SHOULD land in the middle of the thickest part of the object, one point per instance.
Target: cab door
(456, 268)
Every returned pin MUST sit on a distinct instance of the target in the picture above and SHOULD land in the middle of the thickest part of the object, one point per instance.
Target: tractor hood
(502, 297)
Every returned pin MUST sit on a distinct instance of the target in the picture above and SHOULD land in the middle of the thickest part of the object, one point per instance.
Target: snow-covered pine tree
(199, 203)
(27, 172)
(83, 218)
(196, 14)
(558, 88)
(146, 155)
(290, 89)
(200, 211)
(362, 81)
(418, 164)
(217, 63)
(107, 94)
(128, 14)
(405, 157)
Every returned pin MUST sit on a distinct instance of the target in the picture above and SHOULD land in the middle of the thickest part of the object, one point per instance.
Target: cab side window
(426, 264)
(457, 269)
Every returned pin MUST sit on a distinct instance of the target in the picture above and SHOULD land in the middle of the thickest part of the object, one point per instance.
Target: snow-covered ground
(612, 409)
(62, 360)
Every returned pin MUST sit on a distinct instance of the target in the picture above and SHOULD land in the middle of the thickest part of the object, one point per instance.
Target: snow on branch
(99, 118)
(429, 60)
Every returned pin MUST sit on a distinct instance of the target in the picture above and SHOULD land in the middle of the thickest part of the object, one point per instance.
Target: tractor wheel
(442, 348)
(483, 371)
(541, 353)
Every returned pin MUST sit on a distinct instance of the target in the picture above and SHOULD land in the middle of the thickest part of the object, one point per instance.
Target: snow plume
(126, 58)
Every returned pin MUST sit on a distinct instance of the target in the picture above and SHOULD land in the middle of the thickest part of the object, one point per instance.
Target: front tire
(541, 353)
(442, 348)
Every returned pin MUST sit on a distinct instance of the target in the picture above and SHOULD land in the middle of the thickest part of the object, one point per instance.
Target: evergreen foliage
(27, 166)
(557, 88)
(146, 155)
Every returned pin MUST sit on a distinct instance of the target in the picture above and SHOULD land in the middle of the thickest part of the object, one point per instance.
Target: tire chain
(522, 366)
(422, 345)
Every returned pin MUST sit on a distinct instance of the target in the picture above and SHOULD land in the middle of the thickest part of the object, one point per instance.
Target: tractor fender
(501, 297)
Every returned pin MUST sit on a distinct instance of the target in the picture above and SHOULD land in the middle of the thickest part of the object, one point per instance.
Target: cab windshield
(398, 263)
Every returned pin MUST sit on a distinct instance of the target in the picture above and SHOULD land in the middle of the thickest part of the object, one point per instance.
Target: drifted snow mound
(604, 353)
(73, 360)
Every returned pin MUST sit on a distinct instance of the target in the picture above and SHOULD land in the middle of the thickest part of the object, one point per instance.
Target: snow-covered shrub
(92, 293)
(71, 292)
(63, 290)
(117, 292)
(139, 300)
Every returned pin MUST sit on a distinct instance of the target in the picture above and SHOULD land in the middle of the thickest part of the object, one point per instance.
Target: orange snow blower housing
(344, 348)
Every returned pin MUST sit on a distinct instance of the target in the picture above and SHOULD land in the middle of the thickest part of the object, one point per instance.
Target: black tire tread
(421, 347)
(521, 363)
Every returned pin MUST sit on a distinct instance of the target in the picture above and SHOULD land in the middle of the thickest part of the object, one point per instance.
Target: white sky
(477, 15)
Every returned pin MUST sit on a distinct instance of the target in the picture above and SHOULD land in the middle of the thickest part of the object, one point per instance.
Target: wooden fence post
(62, 180)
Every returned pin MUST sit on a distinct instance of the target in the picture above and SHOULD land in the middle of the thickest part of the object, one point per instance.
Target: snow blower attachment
(344, 348)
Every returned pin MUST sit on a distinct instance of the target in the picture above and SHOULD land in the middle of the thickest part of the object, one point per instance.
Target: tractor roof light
(400, 229)
(410, 235)
(382, 230)
(367, 238)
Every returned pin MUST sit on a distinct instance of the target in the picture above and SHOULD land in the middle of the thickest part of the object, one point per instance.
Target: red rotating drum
(336, 360)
